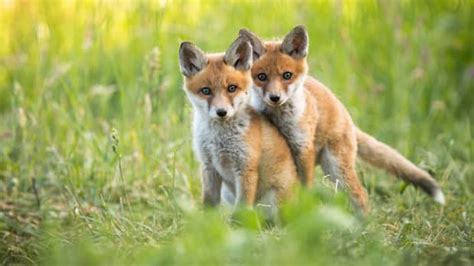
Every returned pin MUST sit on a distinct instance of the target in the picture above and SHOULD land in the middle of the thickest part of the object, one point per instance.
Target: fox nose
(274, 98)
(221, 112)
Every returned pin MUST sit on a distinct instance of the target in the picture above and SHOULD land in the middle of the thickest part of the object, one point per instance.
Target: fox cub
(244, 158)
(317, 126)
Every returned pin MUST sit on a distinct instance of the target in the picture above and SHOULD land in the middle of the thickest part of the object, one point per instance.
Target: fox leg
(211, 186)
(357, 191)
(338, 161)
(306, 163)
(246, 187)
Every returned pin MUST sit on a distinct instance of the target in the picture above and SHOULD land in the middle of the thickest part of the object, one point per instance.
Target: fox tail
(382, 156)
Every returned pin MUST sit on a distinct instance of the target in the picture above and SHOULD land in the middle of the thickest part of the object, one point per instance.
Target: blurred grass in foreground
(71, 71)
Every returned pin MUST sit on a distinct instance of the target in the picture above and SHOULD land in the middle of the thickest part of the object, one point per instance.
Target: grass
(96, 164)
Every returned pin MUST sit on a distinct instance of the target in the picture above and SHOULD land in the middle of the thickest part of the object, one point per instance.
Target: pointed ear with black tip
(295, 43)
(239, 54)
(257, 44)
(191, 59)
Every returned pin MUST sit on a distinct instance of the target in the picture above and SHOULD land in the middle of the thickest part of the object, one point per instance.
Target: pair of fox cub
(261, 124)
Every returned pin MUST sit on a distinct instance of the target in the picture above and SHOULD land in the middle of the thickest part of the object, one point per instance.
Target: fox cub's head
(279, 67)
(217, 84)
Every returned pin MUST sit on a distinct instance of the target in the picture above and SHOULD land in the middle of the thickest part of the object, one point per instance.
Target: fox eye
(206, 91)
(231, 88)
(262, 76)
(287, 75)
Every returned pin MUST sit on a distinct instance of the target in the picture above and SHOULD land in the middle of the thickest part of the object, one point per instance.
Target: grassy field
(96, 164)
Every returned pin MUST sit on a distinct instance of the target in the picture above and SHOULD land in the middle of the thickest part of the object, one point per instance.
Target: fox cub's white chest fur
(221, 146)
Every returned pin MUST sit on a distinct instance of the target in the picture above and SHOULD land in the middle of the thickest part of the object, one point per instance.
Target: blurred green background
(96, 164)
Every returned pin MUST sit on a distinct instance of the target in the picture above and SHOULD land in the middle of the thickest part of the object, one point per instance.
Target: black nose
(274, 98)
(221, 112)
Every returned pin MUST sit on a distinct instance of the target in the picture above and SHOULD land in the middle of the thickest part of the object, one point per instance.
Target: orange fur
(325, 120)
(268, 161)
(331, 138)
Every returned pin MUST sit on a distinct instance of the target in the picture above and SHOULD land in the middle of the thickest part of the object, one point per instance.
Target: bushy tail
(382, 156)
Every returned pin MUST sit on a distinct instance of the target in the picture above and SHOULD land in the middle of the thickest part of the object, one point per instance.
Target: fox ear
(295, 43)
(239, 54)
(257, 44)
(191, 59)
